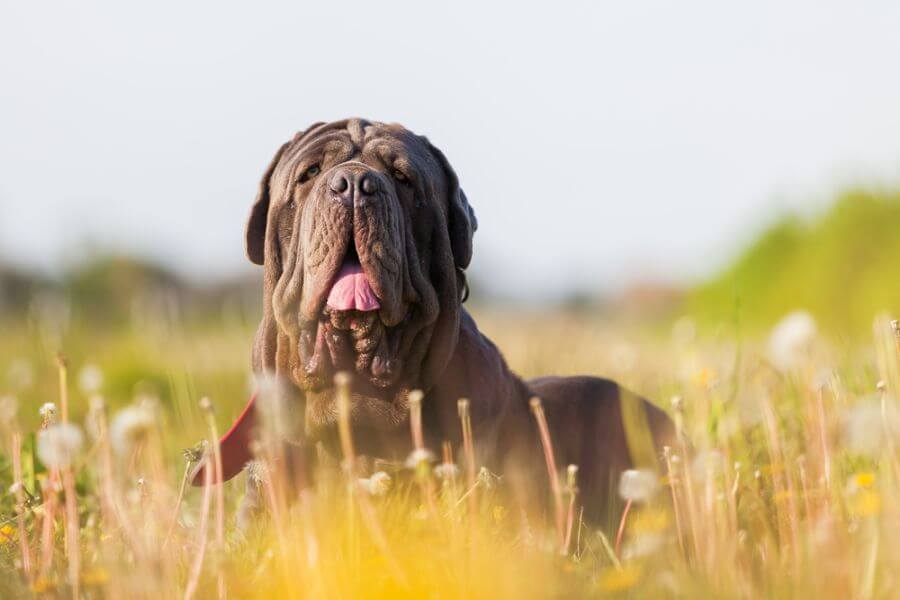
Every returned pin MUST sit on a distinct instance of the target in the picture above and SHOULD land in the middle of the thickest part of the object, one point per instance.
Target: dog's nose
(353, 185)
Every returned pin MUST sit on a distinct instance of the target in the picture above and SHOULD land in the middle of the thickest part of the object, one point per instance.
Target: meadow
(786, 488)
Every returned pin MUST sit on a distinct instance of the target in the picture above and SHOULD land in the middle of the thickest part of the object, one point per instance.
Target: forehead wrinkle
(320, 144)
(357, 128)
(392, 151)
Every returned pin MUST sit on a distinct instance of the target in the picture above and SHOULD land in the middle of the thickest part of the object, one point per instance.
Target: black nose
(353, 185)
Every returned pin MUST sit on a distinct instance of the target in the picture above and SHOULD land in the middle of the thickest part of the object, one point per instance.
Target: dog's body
(364, 234)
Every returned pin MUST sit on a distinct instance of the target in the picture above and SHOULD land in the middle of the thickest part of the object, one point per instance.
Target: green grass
(791, 489)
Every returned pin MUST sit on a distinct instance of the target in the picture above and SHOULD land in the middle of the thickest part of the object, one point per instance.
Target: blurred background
(636, 162)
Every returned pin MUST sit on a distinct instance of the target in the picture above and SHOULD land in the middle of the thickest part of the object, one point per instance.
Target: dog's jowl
(364, 235)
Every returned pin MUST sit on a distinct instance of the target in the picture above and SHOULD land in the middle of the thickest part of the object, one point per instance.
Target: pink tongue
(351, 289)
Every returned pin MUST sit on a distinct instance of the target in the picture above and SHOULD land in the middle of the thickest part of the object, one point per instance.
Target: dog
(364, 235)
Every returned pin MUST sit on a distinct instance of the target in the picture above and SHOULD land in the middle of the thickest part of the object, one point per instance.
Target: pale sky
(599, 142)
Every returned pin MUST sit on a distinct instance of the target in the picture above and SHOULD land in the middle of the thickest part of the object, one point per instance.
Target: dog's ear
(461, 221)
(255, 232)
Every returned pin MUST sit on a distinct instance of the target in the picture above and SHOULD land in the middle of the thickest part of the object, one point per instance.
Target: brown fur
(414, 241)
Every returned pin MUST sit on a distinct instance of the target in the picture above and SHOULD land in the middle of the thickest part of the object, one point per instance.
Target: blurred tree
(841, 266)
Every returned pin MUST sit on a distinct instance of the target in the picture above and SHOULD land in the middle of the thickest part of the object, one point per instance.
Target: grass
(790, 488)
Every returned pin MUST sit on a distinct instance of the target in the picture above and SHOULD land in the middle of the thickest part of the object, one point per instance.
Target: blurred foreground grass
(790, 490)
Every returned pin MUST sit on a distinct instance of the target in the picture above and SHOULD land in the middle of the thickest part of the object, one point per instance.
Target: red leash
(235, 446)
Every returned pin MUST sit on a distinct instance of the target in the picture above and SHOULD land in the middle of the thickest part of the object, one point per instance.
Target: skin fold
(356, 191)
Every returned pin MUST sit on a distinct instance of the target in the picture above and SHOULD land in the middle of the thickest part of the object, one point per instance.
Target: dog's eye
(309, 174)
(399, 176)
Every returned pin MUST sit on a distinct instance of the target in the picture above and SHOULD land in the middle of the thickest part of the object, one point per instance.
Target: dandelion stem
(24, 546)
(342, 383)
(572, 485)
(72, 528)
(206, 405)
(174, 521)
(667, 455)
(469, 451)
(547, 445)
(621, 532)
(197, 567)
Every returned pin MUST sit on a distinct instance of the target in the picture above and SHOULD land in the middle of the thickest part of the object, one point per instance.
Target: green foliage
(841, 266)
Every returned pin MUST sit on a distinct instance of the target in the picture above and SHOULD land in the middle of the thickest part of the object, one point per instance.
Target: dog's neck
(498, 404)
(478, 372)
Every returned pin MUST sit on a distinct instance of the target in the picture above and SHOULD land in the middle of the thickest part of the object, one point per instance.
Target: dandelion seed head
(90, 379)
(58, 444)
(865, 427)
(638, 485)
(791, 340)
(257, 472)
(572, 476)
(130, 426)
(415, 398)
(378, 484)
(643, 545)
(708, 464)
(462, 405)
(48, 413)
(418, 457)
(486, 479)
(447, 471)
(196, 452)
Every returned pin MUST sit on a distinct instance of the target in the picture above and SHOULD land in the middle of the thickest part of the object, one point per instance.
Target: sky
(600, 143)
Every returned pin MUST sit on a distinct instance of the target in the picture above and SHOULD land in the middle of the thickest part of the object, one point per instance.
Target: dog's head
(364, 234)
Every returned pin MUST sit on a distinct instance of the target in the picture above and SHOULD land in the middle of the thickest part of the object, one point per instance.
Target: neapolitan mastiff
(364, 235)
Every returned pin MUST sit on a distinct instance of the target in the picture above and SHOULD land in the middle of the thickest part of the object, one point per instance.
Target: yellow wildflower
(6, 533)
(619, 580)
(865, 503)
(864, 479)
(706, 377)
(42, 585)
(95, 577)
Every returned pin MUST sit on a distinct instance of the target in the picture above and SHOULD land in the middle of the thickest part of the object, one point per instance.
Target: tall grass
(784, 480)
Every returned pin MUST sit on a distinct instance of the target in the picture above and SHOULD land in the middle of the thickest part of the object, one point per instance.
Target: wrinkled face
(363, 232)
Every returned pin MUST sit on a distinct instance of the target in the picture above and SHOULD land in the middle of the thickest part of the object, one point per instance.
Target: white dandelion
(48, 413)
(378, 484)
(867, 427)
(486, 479)
(643, 545)
(418, 457)
(130, 426)
(638, 485)
(447, 471)
(90, 379)
(707, 465)
(791, 339)
(57, 445)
